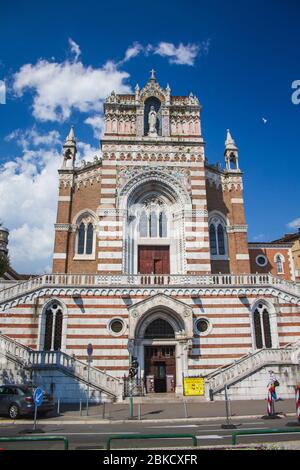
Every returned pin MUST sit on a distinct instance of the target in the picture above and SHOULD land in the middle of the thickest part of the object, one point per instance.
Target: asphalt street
(93, 436)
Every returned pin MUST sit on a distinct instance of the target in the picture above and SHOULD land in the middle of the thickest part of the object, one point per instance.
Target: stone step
(151, 398)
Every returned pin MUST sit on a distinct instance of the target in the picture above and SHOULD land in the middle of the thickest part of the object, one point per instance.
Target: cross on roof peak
(152, 76)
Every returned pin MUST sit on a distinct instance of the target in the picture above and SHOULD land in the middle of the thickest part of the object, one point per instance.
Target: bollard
(103, 410)
(139, 411)
(185, 409)
(229, 424)
(58, 406)
(80, 408)
(271, 404)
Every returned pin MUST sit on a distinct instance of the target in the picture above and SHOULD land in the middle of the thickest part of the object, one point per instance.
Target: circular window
(116, 326)
(261, 260)
(202, 326)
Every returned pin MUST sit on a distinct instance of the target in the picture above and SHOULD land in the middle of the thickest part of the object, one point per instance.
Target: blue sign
(38, 396)
(90, 349)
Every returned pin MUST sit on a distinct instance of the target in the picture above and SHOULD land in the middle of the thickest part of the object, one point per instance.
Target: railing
(247, 364)
(250, 432)
(94, 280)
(151, 436)
(72, 366)
(38, 439)
(97, 378)
(15, 350)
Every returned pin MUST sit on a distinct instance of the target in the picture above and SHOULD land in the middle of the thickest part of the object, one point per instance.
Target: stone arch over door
(178, 316)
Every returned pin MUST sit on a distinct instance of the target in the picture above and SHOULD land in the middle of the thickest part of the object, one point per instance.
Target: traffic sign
(38, 396)
(90, 349)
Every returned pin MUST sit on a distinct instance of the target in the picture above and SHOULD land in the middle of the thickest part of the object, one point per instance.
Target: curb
(142, 421)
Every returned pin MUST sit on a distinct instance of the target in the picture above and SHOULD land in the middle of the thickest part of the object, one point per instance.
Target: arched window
(279, 264)
(159, 328)
(153, 221)
(217, 236)
(213, 240)
(81, 239)
(85, 241)
(143, 226)
(221, 240)
(163, 225)
(153, 224)
(89, 239)
(262, 327)
(53, 328)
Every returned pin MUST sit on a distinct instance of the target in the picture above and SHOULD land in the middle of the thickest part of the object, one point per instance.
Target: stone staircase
(33, 360)
(249, 365)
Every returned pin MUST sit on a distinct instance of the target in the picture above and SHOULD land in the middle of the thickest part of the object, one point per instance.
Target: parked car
(17, 400)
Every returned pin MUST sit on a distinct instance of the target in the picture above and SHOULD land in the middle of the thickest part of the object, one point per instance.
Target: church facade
(151, 256)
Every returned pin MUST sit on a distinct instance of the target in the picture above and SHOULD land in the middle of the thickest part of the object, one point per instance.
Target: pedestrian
(273, 383)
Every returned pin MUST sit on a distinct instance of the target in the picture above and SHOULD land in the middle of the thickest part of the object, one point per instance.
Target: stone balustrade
(58, 359)
(124, 280)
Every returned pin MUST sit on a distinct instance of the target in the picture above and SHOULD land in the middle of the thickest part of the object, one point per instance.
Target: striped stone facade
(96, 279)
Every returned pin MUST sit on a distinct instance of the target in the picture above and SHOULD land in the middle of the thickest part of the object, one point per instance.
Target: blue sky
(239, 57)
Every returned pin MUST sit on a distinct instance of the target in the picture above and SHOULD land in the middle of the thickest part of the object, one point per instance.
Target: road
(93, 436)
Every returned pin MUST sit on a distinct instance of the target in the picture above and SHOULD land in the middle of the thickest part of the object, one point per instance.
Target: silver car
(17, 400)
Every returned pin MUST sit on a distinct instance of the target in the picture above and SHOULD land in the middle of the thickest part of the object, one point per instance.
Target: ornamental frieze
(126, 174)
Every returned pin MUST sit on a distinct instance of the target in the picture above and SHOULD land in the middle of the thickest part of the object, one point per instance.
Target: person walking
(273, 383)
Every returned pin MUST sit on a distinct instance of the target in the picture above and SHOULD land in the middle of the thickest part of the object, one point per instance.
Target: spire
(71, 137)
(70, 149)
(229, 142)
(231, 153)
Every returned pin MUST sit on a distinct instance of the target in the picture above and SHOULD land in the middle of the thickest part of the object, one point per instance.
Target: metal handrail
(261, 431)
(151, 436)
(39, 438)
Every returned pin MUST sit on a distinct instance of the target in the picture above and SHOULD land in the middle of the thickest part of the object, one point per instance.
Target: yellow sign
(193, 386)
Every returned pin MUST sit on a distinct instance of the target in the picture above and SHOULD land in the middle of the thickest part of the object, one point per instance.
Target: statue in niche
(152, 119)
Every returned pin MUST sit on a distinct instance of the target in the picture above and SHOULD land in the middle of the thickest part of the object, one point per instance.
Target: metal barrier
(34, 438)
(151, 436)
(261, 431)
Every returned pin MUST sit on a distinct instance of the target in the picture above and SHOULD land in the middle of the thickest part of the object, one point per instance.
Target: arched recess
(264, 329)
(155, 102)
(169, 201)
(175, 319)
(53, 326)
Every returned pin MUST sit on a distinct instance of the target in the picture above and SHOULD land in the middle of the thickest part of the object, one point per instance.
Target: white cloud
(295, 224)
(75, 49)
(31, 137)
(28, 198)
(60, 88)
(132, 51)
(183, 54)
(97, 124)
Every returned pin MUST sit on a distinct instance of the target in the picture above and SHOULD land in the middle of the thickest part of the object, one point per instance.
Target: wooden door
(154, 260)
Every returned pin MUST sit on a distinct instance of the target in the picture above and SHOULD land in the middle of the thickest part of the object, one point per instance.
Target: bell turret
(70, 150)
(231, 153)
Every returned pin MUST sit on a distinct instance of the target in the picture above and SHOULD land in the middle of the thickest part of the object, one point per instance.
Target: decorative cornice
(237, 228)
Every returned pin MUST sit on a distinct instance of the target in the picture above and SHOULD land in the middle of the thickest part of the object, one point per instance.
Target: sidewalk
(166, 412)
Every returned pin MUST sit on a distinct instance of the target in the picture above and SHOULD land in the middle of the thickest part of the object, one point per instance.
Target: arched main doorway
(160, 359)
(161, 337)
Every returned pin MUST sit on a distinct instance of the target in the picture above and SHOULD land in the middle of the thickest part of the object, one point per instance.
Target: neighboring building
(152, 259)
(275, 258)
(10, 275)
(294, 240)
